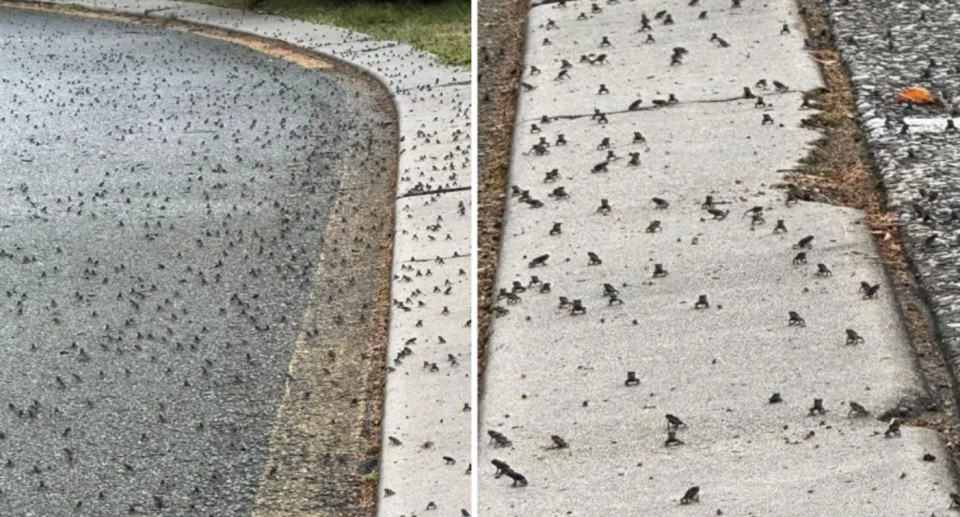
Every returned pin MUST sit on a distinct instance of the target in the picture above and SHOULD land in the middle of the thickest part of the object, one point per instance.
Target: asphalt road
(162, 202)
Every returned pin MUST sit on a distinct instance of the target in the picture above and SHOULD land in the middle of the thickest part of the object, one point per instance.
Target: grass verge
(441, 27)
(839, 171)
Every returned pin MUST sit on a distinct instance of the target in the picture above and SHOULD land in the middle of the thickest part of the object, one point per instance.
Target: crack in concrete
(432, 192)
(647, 108)
(445, 257)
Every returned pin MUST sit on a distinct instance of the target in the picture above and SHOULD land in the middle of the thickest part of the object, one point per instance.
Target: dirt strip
(501, 36)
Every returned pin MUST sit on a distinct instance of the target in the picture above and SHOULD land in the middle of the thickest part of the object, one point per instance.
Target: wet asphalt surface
(161, 202)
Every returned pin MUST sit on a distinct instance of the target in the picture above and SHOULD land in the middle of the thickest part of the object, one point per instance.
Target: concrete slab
(550, 372)
(637, 69)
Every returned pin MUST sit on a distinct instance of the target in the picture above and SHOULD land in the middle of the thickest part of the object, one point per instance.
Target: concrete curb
(926, 157)
(424, 406)
(553, 373)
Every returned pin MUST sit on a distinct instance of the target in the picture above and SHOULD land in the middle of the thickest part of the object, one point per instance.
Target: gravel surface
(165, 197)
(555, 381)
(887, 46)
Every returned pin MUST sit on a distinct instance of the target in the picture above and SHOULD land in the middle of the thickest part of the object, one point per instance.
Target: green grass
(371, 478)
(441, 27)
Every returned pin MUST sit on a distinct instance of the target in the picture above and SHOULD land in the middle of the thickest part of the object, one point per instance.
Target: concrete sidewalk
(550, 372)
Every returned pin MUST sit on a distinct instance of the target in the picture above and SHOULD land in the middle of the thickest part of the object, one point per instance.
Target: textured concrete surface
(888, 46)
(639, 70)
(550, 372)
(433, 106)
